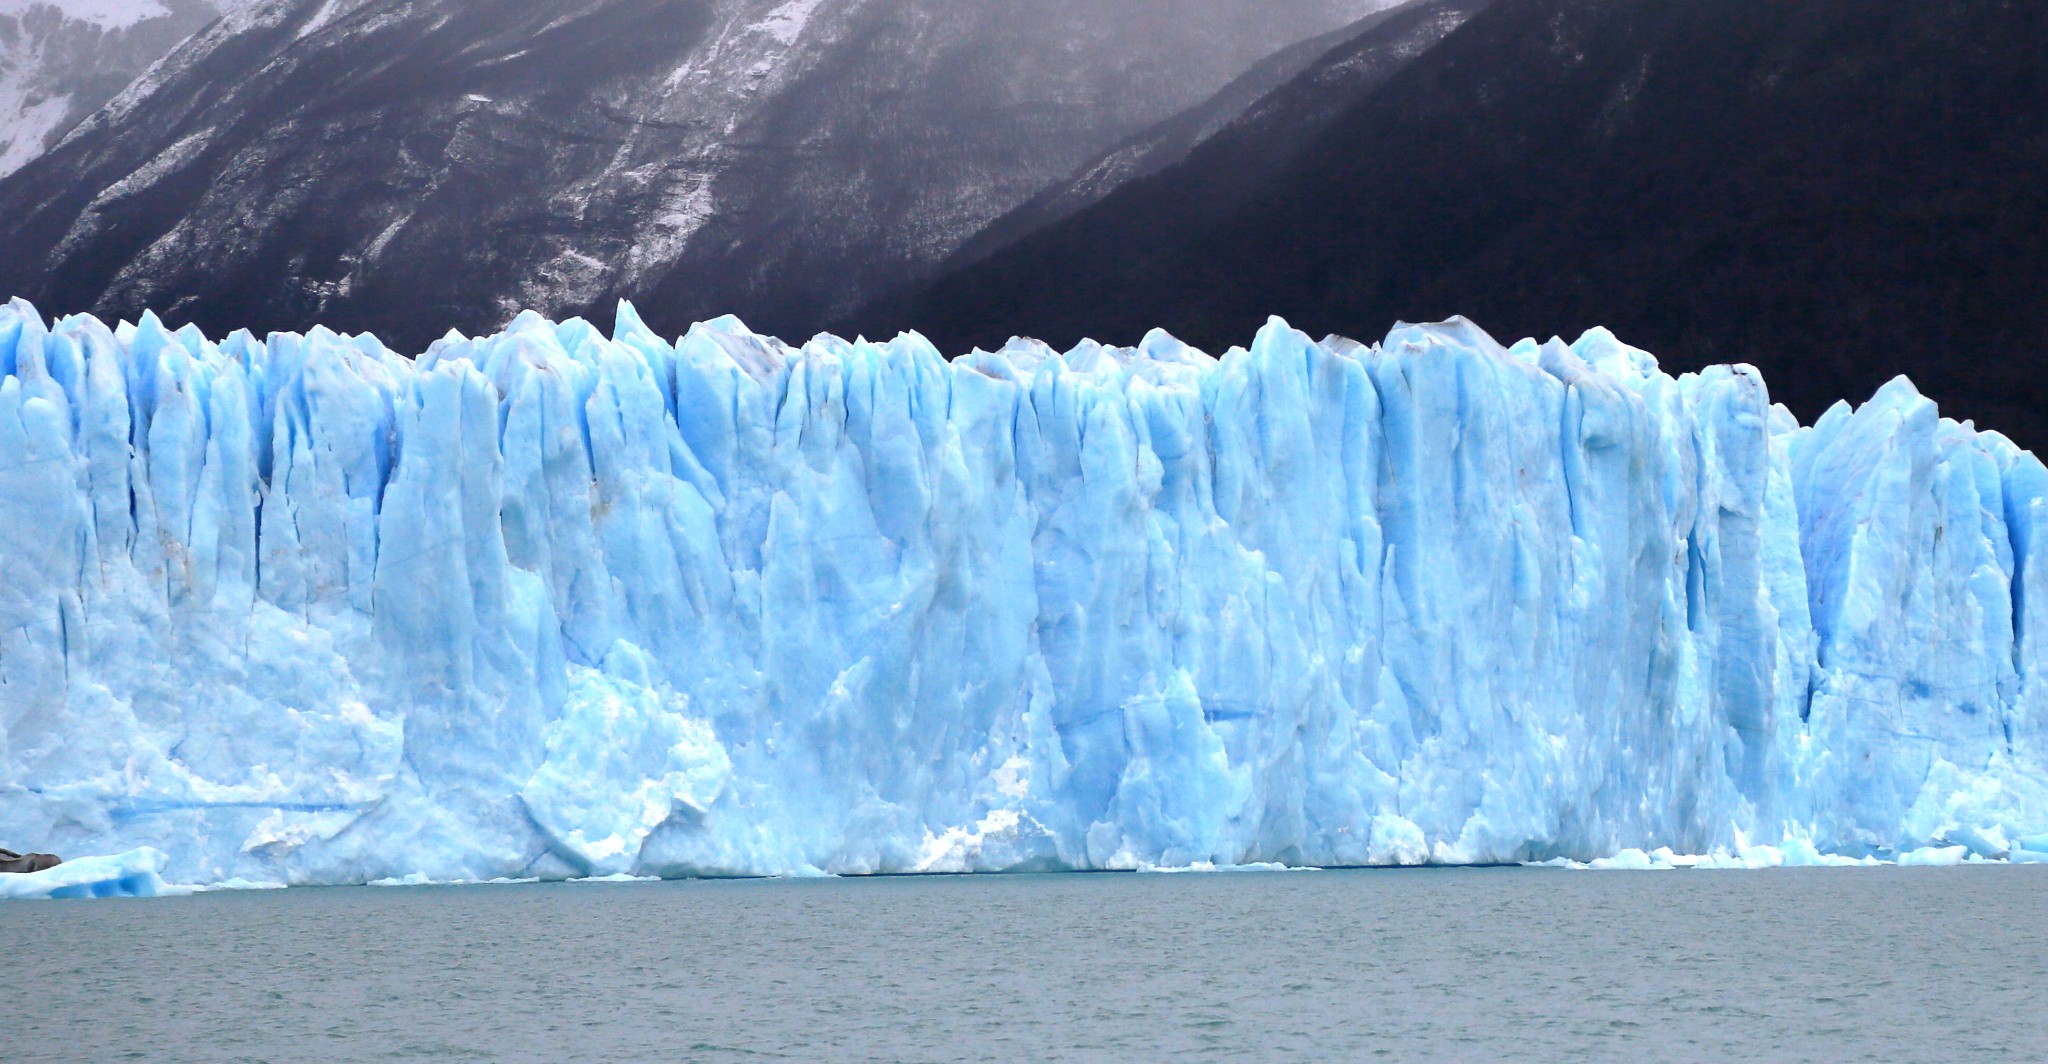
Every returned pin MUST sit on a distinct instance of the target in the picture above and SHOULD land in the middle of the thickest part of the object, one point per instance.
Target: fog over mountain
(412, 165)
(1289, 96)
(1837, 191)
(61, 59)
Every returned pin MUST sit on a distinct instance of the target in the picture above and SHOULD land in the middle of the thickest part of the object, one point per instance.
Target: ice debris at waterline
(135, 874)
(550, 604)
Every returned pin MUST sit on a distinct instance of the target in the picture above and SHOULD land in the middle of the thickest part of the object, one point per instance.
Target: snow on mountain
(786, 23)
(106, 14)
(1836, 191)
(321, 160)
(61, 59)
(1288, 97)
(550, 603)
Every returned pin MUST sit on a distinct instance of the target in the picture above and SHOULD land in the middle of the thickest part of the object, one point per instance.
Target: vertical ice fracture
(551, 603)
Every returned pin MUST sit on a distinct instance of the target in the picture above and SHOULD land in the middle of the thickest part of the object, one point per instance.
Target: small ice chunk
(410, 879)
(1629, 860)
(1934, 856)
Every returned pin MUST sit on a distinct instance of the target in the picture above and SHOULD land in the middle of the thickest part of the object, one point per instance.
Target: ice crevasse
(549, 603)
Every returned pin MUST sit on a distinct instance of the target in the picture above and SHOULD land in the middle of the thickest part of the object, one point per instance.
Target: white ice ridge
(551, 604)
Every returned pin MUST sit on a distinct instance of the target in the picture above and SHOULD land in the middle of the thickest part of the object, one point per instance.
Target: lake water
(1486, 964)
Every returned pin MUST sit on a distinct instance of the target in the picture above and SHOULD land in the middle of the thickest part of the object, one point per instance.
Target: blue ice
(551, 603)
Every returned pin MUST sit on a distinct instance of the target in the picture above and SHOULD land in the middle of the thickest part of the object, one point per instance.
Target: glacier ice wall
(551, 603)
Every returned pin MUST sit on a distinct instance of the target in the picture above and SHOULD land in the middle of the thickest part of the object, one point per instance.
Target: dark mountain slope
(1341, 67)
(1837, 191)
(926, 121)
(411, 165)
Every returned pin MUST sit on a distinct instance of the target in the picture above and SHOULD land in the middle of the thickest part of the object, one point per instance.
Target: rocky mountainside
(61, 59)
(411, 165)
(1837, 191)
(1340, 67)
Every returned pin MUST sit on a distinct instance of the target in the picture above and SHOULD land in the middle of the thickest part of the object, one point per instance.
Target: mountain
(61, 59)
(1837, 191)
(1374, 47)
(407, 165)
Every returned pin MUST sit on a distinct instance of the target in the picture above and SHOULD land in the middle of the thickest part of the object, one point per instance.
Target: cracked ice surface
(554, 604)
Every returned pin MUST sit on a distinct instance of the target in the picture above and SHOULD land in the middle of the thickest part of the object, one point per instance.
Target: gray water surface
(1490, 964)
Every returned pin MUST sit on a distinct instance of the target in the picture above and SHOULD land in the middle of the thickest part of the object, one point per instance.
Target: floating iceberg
(135, 874)
(554, 604)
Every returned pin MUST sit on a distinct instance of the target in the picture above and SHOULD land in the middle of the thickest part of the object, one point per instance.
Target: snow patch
(110, 15)
(786, 23)
(25, 131)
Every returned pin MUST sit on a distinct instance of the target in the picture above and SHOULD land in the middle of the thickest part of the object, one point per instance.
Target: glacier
(556, 604)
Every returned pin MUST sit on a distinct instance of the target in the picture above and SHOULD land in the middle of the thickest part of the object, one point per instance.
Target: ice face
(551, 603)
